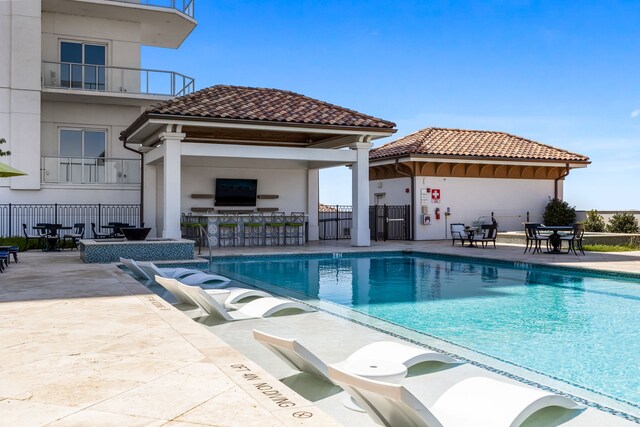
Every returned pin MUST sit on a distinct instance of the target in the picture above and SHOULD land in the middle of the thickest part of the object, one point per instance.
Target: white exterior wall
(471, 198)
(122, 38)
(391, 191)
(289, 184)
(20, 91)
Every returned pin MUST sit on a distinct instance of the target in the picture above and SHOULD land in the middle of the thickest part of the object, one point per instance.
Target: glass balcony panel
(184, 6)
(62, 75)
(84, 170)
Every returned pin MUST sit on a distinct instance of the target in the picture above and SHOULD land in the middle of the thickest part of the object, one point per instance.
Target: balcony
(90, 170)
(163, 23)
(118, 81)
(184, 6)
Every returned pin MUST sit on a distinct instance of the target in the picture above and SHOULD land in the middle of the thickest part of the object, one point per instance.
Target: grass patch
(611, 248)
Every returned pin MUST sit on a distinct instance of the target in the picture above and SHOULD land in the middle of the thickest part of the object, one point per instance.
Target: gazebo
(279, 138)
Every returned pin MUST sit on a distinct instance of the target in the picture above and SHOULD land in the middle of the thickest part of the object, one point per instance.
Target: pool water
(578, 327)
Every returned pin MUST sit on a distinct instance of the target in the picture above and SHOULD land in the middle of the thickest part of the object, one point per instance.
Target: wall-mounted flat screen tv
(236, 192)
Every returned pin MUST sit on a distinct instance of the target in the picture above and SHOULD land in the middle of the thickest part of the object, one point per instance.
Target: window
(82, 153)
(83, 65)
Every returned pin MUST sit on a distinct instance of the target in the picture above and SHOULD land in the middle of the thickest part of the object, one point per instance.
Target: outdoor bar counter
(260, 232)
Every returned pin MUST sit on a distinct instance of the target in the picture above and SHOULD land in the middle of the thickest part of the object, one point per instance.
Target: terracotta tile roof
(272, 105)
(471, 143)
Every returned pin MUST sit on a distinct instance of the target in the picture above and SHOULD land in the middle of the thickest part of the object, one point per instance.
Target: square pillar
(149, 201)
(171, 203)
(313, 203)
(360, 235)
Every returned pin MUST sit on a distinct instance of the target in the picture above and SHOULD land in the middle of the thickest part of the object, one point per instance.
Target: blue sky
(564, 73)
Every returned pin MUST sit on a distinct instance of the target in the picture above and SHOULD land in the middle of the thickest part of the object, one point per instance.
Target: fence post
(385, 214)
(407, 222)
(55, 213)
(337, 222)
(99, 215)
(9, 216)
(527, 216)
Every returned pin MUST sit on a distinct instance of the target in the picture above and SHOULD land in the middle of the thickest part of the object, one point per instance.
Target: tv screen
(236, 192)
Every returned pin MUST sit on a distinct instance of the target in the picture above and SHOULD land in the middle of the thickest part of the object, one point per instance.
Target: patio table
(52, 237)
(554, 238)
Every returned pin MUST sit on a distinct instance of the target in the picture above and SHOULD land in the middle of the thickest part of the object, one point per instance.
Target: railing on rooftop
(89, 170)
(184, 6)
(102, 78)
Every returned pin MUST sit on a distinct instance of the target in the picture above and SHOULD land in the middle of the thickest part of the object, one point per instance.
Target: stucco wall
(289, 185)
(112, 118)
(390, 191)
(121, 37)
(472, 198)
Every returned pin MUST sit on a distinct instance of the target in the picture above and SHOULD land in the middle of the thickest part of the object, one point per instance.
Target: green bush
(558, 212)
(623, 223)
(594, 222)
(33, 243)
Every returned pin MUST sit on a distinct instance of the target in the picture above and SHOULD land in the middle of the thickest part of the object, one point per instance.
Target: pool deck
(85, 344)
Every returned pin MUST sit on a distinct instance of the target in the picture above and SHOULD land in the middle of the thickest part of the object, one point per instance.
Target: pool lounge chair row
(475, 401)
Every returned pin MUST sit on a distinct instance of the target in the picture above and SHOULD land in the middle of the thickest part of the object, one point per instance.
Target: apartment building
(70, 82)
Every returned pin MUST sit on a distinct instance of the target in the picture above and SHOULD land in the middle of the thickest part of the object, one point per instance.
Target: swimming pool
(575, 326)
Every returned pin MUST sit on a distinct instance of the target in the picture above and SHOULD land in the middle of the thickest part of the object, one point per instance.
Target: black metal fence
(334, 222)
(390, 222)
(385, 222)
(13, 215)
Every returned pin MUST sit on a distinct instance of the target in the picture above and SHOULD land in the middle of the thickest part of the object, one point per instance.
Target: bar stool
(253, 230)
(228, 229)
(294, 229)
(274, 228)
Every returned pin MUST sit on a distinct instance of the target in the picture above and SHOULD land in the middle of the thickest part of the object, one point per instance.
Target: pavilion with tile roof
(278, 137)
(475, 173)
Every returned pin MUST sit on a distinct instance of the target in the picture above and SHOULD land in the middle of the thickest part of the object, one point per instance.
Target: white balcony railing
(184, 6)
(89, 170)
(102, 78)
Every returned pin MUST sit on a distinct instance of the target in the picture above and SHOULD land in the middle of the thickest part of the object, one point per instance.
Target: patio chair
(253, 230)
(235, 294)
(534, 238)
(139, 273)
(78, 233)
(261, 307)
(488, 234)
(13, 251)
(97, 235)
(575, 239)
(38, 237)
(274, 229)
(475, 401)
(228, 230)
(294, 229)
(300, 358)
(458, 232)
(4, 259)
(196, 277)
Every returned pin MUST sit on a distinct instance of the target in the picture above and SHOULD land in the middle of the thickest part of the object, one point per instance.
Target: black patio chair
(78, 233)
(489, 233)
(458, 232)
(97, 235)
(534, 238)
(575, 239)
(38, 237)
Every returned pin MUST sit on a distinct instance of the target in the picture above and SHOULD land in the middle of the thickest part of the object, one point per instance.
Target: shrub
(623, 223)
(558, 212)
(594, 222)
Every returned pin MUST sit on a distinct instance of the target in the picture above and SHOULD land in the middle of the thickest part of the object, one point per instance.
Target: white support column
(360, 195)
(149, 201)
(171, 203)
(313, 203)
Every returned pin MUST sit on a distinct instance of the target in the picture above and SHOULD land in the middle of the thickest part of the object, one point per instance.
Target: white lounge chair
(139, 273)
(236, 294)
(261, 307)
(198, 278)
(476, 401)
(299, 357)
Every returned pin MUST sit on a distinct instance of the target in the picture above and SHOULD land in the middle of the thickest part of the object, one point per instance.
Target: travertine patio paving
(84, 344)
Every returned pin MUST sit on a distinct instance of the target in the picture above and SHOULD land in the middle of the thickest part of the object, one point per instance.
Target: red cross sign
(435, 195)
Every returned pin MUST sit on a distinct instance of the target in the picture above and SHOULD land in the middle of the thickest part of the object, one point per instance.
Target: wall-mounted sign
(435, 195)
